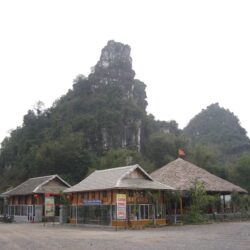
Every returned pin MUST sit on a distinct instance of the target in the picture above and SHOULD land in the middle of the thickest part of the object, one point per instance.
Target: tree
(219, 128)
(242, 172)
(123, 157)
(162, 147)
(240, 203)
(199, 200)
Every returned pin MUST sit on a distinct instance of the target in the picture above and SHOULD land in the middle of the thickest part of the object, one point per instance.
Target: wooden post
(181, 206)
(224, 205)
(76, 206)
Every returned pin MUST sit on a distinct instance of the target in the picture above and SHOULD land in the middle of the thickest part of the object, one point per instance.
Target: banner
(49, 206)
(92, 202)
(121, 206)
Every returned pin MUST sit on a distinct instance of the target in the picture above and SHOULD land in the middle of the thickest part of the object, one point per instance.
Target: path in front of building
(218, 236)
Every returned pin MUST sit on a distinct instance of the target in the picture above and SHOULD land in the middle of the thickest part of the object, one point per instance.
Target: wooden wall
(108, 197)
(26, 200)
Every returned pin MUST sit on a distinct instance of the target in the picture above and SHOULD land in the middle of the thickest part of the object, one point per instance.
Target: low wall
(72, 221)
(138, 223)
(132, 223)
(21, 218)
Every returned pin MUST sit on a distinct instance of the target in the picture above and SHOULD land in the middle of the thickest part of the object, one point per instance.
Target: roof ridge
(108, 169)
(49, 176)
(25, 182)
(125, 174)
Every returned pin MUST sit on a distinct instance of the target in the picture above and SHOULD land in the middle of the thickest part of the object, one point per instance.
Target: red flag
(181, 152)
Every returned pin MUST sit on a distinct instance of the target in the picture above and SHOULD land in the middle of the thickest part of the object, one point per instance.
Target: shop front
(27, 202)
(124, 197)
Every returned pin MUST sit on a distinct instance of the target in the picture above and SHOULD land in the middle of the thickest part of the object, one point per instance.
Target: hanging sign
(49, 206)
(121, 206)
(92, 202)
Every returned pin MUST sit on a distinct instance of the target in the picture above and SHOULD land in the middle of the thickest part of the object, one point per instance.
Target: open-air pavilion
(181, 175)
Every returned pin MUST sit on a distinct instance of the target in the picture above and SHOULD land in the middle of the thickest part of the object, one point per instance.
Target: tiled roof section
(181, 175)
(33, 185)
(116, 178)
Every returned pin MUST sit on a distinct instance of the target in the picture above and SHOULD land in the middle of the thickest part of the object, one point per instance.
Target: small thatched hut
(181, 175)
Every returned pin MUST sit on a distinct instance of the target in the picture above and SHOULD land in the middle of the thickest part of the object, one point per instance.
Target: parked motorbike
(6, 219)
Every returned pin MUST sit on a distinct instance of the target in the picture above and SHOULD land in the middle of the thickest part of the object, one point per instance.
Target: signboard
(92, 202)
(49, 206)
(121, 206)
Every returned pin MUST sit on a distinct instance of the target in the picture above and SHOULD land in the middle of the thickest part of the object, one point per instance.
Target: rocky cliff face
(115, 62)
(124, 98)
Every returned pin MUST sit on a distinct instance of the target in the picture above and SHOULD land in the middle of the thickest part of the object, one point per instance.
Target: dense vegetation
(102, 122)
(219, 144)
(220, 129)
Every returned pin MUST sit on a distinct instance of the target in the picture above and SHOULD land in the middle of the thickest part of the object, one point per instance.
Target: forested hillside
(218, 127)
(218, 143)
(102, 122)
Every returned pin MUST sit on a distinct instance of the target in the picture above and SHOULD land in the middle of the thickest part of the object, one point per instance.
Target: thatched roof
(181, 175)
(37, 185)
(118, 178)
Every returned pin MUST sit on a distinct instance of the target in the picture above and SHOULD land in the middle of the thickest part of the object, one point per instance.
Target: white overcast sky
(189, 53)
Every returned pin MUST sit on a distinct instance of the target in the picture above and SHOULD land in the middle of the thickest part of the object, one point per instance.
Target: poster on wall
(121, 206)
(49, 206)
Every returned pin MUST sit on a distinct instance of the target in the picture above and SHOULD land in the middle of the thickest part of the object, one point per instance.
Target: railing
(178, 218)
(104, 214)
(83, 214)
(17, 210)
(228, 216)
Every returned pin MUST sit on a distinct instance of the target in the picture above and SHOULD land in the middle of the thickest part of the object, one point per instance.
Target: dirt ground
(219, 236)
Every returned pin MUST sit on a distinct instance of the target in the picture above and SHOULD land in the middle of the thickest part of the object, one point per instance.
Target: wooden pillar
(224, 203)
(181, 206)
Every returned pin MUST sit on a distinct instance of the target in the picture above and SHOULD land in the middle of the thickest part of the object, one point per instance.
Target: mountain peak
(115, 62)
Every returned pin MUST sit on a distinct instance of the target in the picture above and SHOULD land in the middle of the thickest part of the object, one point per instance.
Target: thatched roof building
(181, 175)
(39, 185)
(128, 177)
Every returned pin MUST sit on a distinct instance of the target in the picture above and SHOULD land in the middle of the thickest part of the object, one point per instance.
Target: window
(140, 212)
(142, 194)
(86, 197)
(130, 193)
(104, 194)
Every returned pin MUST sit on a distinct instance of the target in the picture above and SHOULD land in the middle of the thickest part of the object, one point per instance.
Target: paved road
(221, 236)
